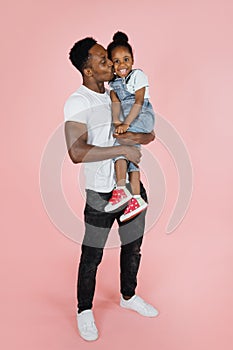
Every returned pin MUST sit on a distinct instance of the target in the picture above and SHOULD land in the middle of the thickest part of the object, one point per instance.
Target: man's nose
(110, 64)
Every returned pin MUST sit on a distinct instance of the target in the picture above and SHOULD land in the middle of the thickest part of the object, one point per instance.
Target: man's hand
(126, 139)
(131, 138)
(133, 154)
(121, 128)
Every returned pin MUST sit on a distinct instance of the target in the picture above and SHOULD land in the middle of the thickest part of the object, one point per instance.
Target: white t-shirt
(135, 81)
(94, 110)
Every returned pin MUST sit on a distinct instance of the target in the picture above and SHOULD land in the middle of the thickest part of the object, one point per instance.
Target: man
(88, 131)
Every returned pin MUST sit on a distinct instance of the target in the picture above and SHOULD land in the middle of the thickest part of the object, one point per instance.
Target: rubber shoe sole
(140, 306)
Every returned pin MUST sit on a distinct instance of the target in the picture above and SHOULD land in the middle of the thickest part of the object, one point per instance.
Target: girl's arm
(116, 108)
(135, 110)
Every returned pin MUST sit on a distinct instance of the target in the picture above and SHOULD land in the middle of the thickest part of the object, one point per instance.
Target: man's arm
(81, 152)
(131, 138)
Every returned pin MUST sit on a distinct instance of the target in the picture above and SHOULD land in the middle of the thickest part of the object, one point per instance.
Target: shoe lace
(142, 303)
(89, 325)
(116, 196)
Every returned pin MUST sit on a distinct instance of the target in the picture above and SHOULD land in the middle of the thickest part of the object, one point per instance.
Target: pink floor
(187, 275)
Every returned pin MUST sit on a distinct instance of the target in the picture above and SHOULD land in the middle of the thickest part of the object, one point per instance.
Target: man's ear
(87, 72)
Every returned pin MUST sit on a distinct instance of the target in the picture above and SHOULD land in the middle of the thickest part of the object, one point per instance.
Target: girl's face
(122, 61)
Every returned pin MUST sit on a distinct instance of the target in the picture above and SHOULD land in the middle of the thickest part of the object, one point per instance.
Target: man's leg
(131, 234)
(130, 255)
(97, 224)
(89, 261)
(97, 227)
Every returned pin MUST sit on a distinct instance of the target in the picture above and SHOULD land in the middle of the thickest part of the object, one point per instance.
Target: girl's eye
(126, 59)
(116, 61)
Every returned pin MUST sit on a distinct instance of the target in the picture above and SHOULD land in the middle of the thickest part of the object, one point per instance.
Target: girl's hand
(122, 128)
(116, 124)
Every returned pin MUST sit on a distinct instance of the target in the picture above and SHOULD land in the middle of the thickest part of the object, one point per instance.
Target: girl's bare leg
(134, 178)
(121, 169)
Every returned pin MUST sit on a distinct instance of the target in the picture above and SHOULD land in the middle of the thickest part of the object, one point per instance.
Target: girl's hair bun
(119, 36)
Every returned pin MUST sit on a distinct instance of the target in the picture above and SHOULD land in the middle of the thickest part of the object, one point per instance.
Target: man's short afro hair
(79, 52)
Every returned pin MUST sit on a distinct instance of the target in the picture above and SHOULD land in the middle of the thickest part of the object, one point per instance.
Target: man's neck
(94, 86)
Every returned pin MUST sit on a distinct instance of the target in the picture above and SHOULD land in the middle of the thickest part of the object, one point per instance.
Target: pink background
(186, 49)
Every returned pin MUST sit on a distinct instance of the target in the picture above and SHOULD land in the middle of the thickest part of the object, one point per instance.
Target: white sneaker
(139, 305)
(86, 325)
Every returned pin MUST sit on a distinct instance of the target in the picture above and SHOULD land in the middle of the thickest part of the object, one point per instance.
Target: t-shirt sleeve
(76, 109)
(140, 80)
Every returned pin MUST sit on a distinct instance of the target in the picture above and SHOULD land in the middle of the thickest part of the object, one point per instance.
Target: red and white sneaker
(120, 196)
(135, 207)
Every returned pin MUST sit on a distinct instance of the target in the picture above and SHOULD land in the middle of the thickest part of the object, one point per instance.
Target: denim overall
(144, 123)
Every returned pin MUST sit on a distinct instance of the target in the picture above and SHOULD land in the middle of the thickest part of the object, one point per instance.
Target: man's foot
(139, 305)
(135, 206)
(86, 325)
(120, 196)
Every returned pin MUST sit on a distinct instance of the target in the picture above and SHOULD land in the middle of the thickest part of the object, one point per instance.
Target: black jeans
(97, 227)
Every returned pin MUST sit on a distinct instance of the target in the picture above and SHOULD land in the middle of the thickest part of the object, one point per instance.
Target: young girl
(131, 111)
